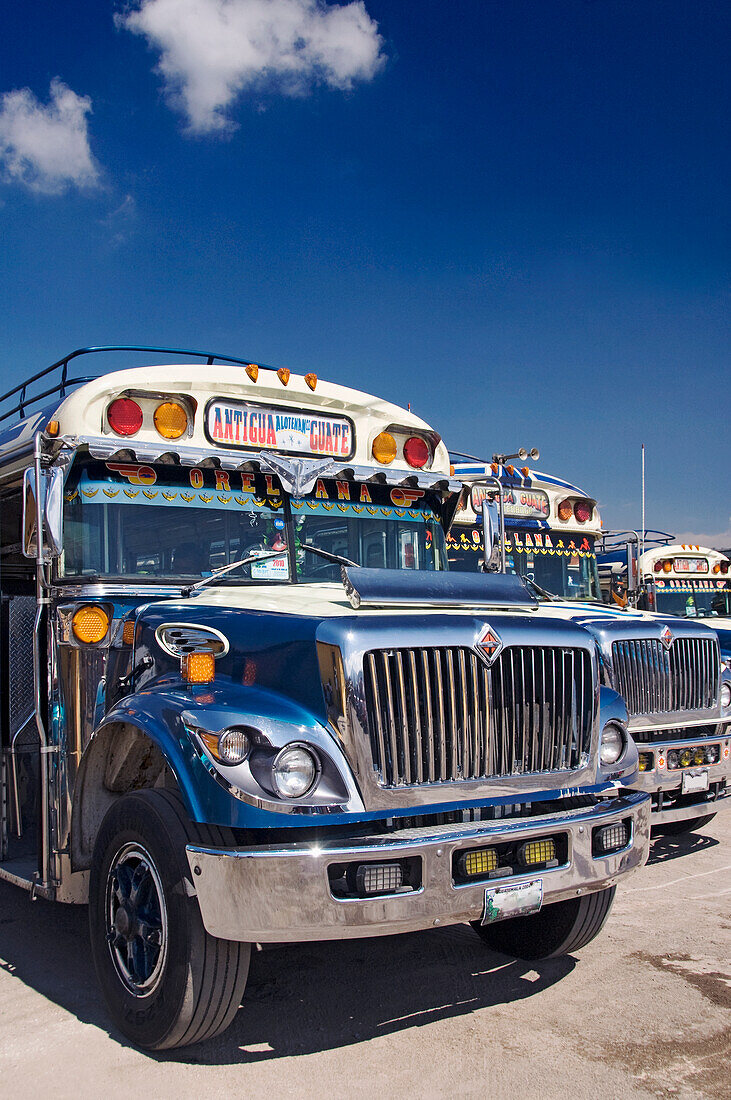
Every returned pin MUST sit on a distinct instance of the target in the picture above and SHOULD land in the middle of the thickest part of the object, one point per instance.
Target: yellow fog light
(537, 851)
(686, 758)
(198, 668)
(171, 420)
(699, 756)
(645, 761)
(90, 624)
(384, 448)
(480, 862)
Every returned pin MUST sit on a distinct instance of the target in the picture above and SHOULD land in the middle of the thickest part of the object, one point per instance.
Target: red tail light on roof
(416, 452)
(124, 416)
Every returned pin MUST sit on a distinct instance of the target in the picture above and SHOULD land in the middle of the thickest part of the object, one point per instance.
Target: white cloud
(717, 540)
(45, 147)
(212, 50)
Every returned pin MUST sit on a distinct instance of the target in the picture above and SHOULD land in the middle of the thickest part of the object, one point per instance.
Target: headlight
(612, 744)
(230, 747)
(294, 771)
(725, 694)
(233, 745)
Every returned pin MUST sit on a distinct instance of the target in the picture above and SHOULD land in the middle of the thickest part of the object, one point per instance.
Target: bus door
(19, 741)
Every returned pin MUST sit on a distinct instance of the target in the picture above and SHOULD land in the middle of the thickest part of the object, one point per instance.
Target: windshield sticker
(273, 428)
(271, 569)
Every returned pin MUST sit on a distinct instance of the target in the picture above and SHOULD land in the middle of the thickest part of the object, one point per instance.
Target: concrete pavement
(645, 1010)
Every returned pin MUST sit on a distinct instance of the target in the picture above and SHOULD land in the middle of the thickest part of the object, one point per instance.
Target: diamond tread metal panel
(22, 613)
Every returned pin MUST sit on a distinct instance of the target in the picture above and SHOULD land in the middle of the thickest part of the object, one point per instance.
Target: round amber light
(565, 511)
(171, 420)
(384, 448)
(90, 624)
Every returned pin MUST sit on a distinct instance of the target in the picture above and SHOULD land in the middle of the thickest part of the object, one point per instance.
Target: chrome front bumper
(282, 893)
(661, 780)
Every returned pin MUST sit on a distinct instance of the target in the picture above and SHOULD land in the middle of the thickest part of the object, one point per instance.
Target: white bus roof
(212, 390)
(535, 497)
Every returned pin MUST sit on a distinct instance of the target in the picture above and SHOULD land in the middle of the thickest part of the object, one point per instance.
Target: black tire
(558, 929)
(167, 982)
(677, 828)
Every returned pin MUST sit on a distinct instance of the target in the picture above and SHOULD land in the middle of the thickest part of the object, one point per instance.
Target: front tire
(166, 981)
(558, 929)
(677, 828)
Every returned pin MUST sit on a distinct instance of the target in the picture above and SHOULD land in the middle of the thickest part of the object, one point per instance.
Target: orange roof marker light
(311, 380)
(253, 371)
(283, 375)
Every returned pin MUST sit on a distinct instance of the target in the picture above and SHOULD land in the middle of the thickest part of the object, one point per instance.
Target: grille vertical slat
(429, 716)
(442, 715)
(654, 680)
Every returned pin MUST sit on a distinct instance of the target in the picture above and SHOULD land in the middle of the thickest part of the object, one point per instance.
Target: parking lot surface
(645, 1010)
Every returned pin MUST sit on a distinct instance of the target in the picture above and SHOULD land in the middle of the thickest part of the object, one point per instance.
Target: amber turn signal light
(198, 668)
(171, 420)
(128, 632)
(384, 448)
(565, 511)
(90, 624)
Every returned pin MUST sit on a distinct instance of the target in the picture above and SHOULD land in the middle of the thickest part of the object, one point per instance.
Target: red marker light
(416, 452)
(124, 416)
(582, 511)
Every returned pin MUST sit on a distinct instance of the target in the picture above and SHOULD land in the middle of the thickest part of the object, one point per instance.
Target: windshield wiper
(537, 588)
(327, 554)
(232, 565)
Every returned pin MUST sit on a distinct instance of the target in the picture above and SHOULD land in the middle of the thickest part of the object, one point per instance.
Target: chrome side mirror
(29, 513)
(490, 523)
(51, 495)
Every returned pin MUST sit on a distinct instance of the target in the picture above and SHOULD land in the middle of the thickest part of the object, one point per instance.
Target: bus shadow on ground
(665, 847)
(301, 998)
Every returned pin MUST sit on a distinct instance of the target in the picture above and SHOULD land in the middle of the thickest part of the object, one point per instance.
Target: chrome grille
(437, 715)
(655, 680)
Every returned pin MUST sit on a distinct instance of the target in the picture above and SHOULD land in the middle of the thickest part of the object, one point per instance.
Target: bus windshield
(158, 523)
(564, 566)
(691, 602)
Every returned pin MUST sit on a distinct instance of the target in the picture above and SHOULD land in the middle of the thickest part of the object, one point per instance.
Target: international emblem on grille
(666, 637)
(490, 644)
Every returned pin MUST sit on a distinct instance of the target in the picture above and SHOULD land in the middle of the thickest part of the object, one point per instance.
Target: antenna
(642, 545)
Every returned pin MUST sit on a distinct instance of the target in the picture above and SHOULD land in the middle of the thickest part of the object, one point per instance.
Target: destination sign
(527, 503)
(690, 565)
(238, 424)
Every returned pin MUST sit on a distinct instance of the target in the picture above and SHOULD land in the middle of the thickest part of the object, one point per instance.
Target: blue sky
(511, 214)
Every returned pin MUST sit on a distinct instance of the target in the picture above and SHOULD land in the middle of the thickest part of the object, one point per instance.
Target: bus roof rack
(648, 539)
(62, 384)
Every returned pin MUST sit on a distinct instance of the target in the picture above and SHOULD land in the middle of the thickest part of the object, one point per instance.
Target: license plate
(520, 900)
(694, 781)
